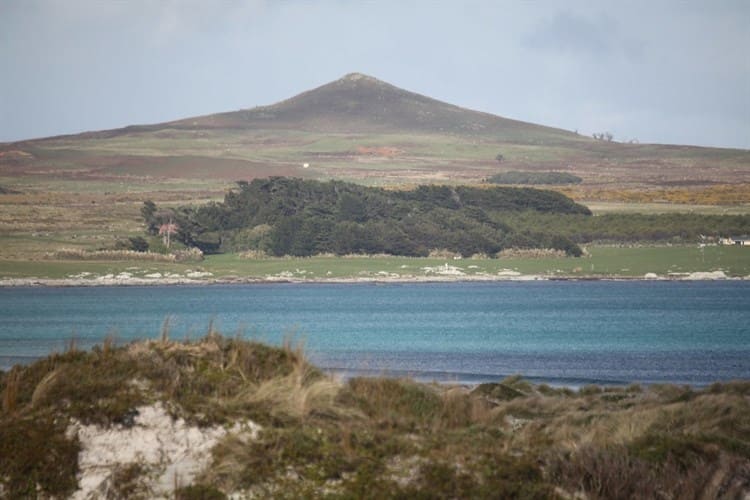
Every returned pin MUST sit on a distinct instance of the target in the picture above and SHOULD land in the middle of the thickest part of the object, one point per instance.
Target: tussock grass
(10, 390)
(614, 473)
(374, 437)
(190, 254)
(394, 403)
(530, 253)
(253, 254)
(79, 254)
(203, 379)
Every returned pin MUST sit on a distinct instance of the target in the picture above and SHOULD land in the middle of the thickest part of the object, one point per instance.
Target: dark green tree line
(285, 216)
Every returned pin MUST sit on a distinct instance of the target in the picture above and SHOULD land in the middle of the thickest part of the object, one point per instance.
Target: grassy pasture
(229, 154)
(29, 185)
(44, 216)
(724, 196)
(54, 269)
(603, 262)
(602, 207)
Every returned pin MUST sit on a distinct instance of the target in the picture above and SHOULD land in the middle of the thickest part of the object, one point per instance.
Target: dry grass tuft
(253, 254)
(43, 388)
(394, 403)
(164, 337)
(79, 254)
(619, 473)
(10, 392)
(299, 395)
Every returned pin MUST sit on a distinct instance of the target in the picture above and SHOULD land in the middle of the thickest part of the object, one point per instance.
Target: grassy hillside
(363, 129)
(225, 416)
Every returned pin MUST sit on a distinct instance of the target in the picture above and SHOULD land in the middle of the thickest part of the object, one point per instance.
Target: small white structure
(305, 165)
(734, 241)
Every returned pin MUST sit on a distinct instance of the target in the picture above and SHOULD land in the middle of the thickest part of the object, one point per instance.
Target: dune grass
(374, 437)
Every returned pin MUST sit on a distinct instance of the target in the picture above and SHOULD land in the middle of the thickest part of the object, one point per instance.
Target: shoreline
(131, 281)
(459, 379)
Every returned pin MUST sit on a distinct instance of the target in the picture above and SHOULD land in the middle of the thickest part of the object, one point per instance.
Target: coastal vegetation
(278, 426)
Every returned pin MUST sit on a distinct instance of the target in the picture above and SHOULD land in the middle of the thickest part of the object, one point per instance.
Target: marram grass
(322, 437)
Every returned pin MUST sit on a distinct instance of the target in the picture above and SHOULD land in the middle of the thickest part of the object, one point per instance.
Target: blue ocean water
(566, 332)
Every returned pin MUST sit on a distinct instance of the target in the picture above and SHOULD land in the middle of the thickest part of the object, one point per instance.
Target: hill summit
(358, 103)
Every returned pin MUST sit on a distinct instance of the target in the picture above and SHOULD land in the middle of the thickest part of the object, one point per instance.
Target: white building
(734, 241)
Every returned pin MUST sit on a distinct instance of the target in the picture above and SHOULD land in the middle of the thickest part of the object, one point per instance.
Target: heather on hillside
(285, 216)
(533, 178)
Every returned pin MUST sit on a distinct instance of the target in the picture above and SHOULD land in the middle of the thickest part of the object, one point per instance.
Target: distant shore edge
(114, 282)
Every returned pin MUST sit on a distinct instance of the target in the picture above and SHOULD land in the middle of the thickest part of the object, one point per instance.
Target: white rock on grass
(444, 270)
(198, 274)
(79, 275)
(707, 275)
(171, 451)
(508, 273)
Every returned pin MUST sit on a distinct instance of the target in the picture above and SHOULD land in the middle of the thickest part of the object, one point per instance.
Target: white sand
(171, 451)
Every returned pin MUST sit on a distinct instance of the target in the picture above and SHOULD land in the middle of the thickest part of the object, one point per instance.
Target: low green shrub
(37, 459)
(394, 403)
(198, 492)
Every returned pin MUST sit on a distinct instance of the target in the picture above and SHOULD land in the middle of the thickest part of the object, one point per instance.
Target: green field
(602, 262)
(603, 207)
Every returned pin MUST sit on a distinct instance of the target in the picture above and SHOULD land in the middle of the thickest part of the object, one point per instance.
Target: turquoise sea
(559, 332)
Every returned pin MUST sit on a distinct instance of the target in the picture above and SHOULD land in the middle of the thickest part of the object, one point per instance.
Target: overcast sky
(659, 71)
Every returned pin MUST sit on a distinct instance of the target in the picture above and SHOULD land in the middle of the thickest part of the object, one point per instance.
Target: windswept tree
(166, 231)
(148, 212)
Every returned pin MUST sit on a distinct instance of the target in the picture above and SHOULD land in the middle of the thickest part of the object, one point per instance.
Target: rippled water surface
(559, 332)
